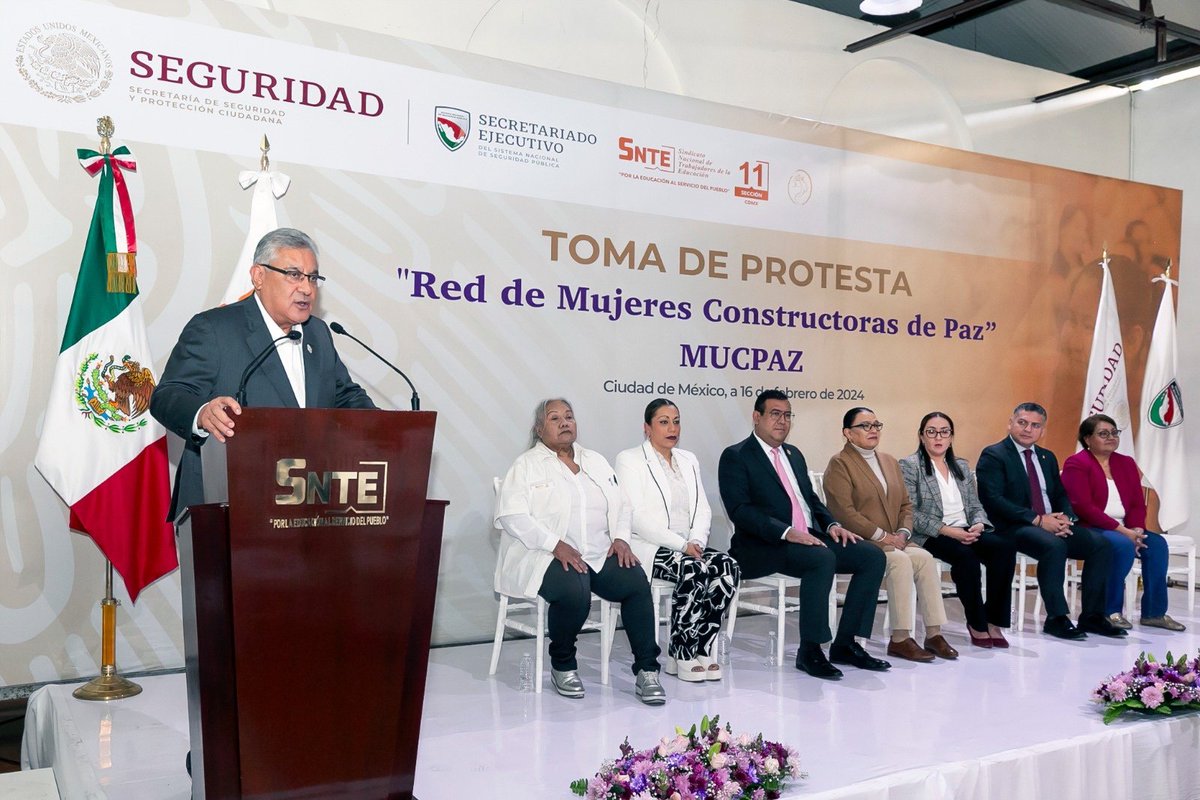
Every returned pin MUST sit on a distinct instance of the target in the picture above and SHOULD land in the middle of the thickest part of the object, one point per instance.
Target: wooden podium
(308, 606)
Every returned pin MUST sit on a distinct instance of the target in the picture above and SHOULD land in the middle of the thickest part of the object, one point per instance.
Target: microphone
(257, 361)
(337, 328)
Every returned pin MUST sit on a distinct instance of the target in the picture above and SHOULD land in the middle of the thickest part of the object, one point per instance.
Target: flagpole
(108, 685)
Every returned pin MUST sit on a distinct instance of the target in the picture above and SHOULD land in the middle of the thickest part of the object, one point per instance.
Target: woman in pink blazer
(1105, 489)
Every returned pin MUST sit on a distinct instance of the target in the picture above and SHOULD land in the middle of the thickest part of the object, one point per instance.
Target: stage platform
(994, 725)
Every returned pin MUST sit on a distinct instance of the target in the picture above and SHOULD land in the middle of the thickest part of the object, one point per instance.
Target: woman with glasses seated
(1105, 489)
(865, 491)
(671, 519)
(949, 521)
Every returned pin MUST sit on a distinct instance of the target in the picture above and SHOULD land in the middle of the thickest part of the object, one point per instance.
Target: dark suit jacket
(1087, 487)
(207, 361)
(758, 505)
(1004, 485)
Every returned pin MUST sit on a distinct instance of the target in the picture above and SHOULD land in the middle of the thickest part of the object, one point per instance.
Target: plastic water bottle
(772, 648)
(723, 649)
(525, 680)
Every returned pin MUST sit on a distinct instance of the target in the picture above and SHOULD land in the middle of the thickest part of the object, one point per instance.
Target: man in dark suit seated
(780, 525)
(1020, 489)
(195, 398)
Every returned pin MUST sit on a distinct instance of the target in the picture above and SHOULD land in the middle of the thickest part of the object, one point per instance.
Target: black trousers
(569, 594)
(1052, 553)
(999, 555)
(815, 567)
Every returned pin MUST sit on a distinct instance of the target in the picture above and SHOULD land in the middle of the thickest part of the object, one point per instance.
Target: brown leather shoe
(940, 647)
(910, 651)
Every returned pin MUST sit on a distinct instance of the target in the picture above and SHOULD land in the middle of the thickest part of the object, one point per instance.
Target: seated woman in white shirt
(565, 524)
(671, 519)
(949, 522)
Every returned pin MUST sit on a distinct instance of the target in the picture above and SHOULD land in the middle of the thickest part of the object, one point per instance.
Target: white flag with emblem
(1160, 450)
(1106, 390)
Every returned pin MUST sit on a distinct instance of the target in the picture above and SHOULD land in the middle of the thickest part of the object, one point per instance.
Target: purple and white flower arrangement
(1151, 687)
(704, 763)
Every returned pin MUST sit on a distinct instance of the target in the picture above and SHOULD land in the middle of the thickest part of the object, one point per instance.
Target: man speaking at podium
(212, 370)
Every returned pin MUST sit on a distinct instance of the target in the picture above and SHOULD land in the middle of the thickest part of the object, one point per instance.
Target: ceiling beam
(1126, 77)
(1132, 16)
(964, 11)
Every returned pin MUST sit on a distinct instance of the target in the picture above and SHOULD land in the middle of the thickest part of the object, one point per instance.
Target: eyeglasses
(938, 433)
(294, 275)
(1024, 423)
(775, 415)
(868, 426)
(1106, 434)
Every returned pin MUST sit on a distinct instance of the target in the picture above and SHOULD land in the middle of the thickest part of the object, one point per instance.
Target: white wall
(1164, 121)
(777, 56)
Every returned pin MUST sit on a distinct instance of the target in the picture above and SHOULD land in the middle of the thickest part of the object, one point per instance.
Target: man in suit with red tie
(780, 525)
(1021, 491)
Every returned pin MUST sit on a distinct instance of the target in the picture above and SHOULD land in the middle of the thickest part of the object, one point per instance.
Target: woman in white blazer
(671, 519)
(565, 524)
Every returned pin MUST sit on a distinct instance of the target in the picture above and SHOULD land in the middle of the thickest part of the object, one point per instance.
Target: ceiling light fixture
(888, 8)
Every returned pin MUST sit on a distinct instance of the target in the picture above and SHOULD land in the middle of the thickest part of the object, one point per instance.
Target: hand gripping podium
(308, 606)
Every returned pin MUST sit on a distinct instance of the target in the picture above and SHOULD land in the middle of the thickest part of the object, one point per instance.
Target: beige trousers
(907, 568)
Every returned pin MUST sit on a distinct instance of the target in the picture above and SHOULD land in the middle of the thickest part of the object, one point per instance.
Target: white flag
(1160, 438)
(264, 218)
(1106, 390)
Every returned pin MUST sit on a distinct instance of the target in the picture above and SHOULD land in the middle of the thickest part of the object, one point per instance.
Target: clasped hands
(1136, 535)
(965, 535)
(1057, 523)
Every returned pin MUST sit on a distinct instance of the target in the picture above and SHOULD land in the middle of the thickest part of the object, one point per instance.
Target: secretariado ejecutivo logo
(453, 126)
(64, 62)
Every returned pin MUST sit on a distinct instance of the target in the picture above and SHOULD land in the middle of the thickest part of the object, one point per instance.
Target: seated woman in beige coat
(864, 490)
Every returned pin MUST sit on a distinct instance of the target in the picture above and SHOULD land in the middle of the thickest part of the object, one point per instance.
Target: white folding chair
(661, 591)
(776, 585)
(1177, 545)
(509, 604)
(1023, 581)
(605, 625)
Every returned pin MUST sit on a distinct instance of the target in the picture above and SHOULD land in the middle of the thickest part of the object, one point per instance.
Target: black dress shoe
(813, 661)
(1062, 628)
(854, 655)
(1099, 624)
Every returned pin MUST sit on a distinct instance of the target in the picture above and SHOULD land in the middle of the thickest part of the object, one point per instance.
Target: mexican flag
(100, 449)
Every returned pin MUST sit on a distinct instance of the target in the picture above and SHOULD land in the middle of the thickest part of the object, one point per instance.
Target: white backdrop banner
(507, 234)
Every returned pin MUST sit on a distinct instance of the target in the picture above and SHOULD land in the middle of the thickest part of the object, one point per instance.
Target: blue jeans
(1154, 573)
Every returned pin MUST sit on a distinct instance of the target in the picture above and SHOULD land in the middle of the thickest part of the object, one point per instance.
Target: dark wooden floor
(12, 727)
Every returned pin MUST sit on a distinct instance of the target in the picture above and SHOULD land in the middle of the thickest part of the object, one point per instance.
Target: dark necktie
(1035, 487)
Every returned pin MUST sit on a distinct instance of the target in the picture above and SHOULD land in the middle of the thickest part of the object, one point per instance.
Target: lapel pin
(309, 346)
